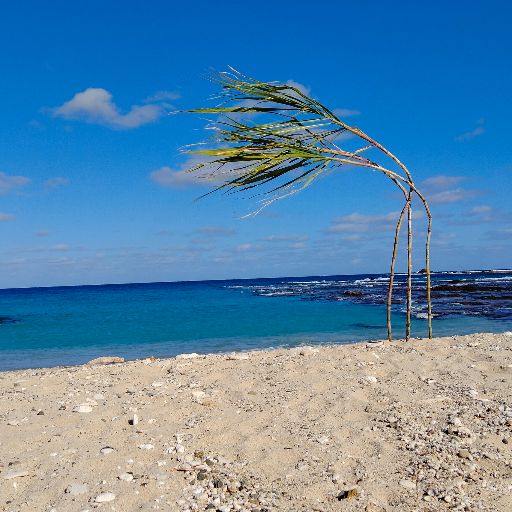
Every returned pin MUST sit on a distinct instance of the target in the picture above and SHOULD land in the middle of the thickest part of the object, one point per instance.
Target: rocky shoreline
(424, 425)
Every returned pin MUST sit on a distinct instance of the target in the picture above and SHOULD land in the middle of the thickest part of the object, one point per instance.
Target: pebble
(146, 446)
(107, 450)
(83, 408)
(134, 420)
(408, 484)
(126, 477)
(371, 378)
(464, 454)
(105, 497)
(76, 489)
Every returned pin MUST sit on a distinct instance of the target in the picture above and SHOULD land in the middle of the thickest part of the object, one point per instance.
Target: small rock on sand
(408, 484)
(105, 497)
(126, 477)
(105, 360)
(76, 489)
(83, 408)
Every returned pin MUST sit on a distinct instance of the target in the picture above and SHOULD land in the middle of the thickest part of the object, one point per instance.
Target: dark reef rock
(7, 320)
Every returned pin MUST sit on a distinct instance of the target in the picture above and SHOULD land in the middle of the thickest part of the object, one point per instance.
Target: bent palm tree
(292, 147)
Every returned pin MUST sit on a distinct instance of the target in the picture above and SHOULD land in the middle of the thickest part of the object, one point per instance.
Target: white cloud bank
(95, 105)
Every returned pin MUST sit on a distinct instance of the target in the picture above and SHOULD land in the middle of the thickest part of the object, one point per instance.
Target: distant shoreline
(192, 281)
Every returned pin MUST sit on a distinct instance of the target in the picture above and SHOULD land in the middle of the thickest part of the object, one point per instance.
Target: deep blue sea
(42, 327)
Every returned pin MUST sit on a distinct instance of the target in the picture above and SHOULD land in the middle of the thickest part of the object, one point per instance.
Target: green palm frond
(294, 142)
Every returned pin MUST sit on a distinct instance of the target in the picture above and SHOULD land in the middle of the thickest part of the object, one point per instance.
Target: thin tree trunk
(409, 271)
(427, 268)
(392, 270)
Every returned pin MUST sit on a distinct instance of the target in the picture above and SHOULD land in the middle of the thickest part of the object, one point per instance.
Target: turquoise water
(69, 325)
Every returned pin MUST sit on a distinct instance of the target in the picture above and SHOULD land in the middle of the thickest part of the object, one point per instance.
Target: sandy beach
(424, 425)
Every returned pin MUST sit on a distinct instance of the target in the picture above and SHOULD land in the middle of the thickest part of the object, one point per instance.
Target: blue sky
(88, 155)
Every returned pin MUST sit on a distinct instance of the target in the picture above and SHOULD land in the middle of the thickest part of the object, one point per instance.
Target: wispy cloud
(95, 105)
(479, 210)
(451, 196)
(247, 247)
(472, 134)
(162, 96)
(442, 189)
(285, 238)
(167, 177)
(42, 233)
(443, 181)
(5, 217)
(215, 231)
(58, 181)
(360, 223)
(9, 183)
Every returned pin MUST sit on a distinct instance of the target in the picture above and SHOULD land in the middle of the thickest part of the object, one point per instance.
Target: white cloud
(442, 181)
(60, 248)
(450, 196)
(9, 183)
(301, 87)
(479, 130)
(285, 238)
(360, 223)
(161, 96)
(58, 181)
(478, 210)
(95, 105)
(247, 247)
(4, 217)
(167, 177)
(356, 224)
(439, 189)
(216, 231)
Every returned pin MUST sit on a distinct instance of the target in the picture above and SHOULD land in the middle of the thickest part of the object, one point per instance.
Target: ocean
(67, 325)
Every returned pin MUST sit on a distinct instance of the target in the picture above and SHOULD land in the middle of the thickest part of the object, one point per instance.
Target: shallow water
(70, 325)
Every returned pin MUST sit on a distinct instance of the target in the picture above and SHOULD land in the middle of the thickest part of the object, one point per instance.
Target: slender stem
(409, 271)
(427, 268)
(392, 270)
